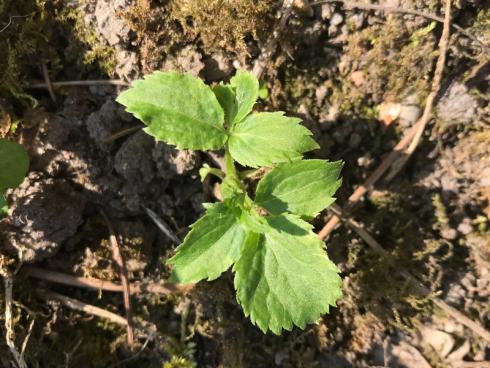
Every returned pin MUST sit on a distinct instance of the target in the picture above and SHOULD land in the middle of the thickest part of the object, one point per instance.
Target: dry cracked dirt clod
(45, 214)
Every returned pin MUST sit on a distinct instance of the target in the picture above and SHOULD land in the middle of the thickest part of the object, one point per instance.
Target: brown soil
(333, 68)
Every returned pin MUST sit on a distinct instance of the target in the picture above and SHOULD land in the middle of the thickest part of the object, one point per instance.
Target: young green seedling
(283, 276)
(14, 164)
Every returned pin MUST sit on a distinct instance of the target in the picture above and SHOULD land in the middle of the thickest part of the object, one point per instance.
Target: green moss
(225, 24)
(395, 72)
(39, 36)
(440, 210)
(93, 52)
(215, 25)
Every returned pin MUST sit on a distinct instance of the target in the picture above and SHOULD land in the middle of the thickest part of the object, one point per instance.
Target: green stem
(229, 164)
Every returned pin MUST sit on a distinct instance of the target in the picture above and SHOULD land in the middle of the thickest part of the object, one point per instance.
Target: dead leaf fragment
(389, 112)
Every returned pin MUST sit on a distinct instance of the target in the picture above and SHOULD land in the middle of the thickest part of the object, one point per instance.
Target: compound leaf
(14, 164)
(267, 138)
(211, 246)
(178, 109)
(246, 88)
(302, 187)
(284, 277)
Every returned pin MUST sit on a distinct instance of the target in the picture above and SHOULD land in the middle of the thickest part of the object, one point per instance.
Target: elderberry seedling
(282, 274)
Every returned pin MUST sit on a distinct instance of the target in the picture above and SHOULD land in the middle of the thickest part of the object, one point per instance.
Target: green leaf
(227, 99)
(231, 187)
(263, 91)
(267, 138)
(211, 247)
(302, 187)
(284, 278)
(14, 164)
(3, 205)
(206, 170)
(246, 88)
(178, 109)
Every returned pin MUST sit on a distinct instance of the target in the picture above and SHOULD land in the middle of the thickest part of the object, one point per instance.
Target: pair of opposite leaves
(282, 274)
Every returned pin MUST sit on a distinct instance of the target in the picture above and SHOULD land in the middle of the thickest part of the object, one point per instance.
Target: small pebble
(326, 11)
(357, 20)
(449, 234)
(409, 114)
(336, 19)
(465, 227)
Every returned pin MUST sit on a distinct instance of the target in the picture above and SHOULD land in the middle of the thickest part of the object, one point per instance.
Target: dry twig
(123, 133)
(82, 307)
(436, 85)
(96, 284)
(404, 142)
(86, 83)
(47, 79)
(378, 248)
(162, 225)
(118, 258)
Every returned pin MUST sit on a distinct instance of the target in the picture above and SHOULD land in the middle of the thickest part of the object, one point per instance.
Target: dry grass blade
(96, 284)
(123, 133)
(118, 258)
(436, 85)
(83, 83)
(49, 84)
(82, 307)
(162, 225)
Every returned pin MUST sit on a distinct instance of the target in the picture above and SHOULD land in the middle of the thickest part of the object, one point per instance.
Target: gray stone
(409, 114)
(45, 214)
(465, 227)
(456, 106)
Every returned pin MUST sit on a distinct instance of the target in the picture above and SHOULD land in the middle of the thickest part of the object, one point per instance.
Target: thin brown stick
(378, 248)
(270, 46)
(406, 140)
(47, 79)
(77, 83)
(82, 307)
(123, 133)
(436, 85)
(97, 284)
(394, 9)
(118, 258)
(8, 283)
